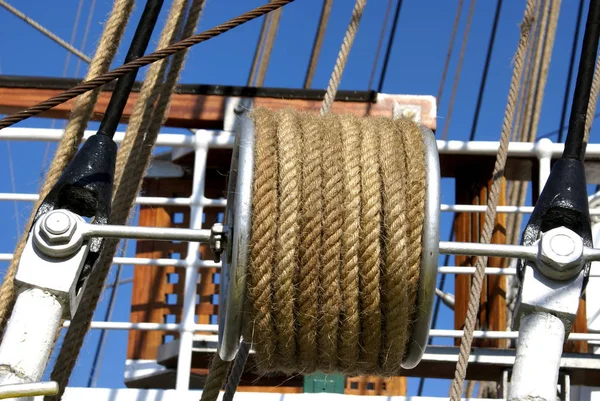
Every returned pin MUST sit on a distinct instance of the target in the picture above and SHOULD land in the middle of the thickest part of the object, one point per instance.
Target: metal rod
(138, 47)
(158, 234)
(28, 390)
(475, 249)
(574, 143)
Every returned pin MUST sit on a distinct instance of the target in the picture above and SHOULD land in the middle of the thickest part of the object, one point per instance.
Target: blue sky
(415, 68)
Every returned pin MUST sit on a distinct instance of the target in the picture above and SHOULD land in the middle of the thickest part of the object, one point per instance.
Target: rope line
(45, 31)
(274, 18)
(461, 58)
(318, 43)
(141, 62)
(364, 213)
(67, 148)
(132, 160)
(490, 214)
(342, 58)
(593, 101)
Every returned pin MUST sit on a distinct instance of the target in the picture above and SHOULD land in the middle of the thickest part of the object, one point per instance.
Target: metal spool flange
(236, 253)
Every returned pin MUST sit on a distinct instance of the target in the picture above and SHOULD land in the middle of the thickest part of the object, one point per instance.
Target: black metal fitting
(85, 188)
(563, 202)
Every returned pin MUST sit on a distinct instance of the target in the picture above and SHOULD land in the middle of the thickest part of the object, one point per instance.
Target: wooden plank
(492, 305)
(207, 111)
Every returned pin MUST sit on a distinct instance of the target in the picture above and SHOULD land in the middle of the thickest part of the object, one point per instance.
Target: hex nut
(58, 243)
(560, 254)
(57, 238)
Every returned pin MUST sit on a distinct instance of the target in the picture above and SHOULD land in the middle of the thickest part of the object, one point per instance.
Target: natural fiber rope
(342, 58)
(490, 214)
(335, 249)
(589, 120)
(132, 160)
(141, 62)
(539, 77)
(69, 143)
(461, 58)
(46, 32)
(318, 43)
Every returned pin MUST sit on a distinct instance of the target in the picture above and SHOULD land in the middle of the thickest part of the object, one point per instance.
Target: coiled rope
(338, 211)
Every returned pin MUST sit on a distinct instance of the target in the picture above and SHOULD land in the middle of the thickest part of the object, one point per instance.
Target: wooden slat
(492, 306)
(207, 111)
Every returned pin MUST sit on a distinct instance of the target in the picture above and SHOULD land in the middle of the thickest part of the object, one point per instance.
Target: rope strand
(490, 214)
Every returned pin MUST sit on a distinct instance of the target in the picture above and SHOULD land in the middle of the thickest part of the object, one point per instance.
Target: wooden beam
(189, 110)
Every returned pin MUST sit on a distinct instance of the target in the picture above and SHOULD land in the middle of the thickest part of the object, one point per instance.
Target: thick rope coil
(338, 210)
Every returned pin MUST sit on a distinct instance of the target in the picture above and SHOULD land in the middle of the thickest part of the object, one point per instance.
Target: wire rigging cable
(450, 50)
(141, 62)
(574, 45)
(461, 58)
(384, 24)
(575, 141)
(390, 45)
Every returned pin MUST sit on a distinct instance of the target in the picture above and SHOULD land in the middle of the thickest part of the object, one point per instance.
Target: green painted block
(324, 383)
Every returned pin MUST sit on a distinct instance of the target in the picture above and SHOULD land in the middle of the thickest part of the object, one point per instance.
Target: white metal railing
(203, 140)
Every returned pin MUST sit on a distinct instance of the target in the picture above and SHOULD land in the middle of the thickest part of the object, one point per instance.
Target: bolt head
(57, 227)
(560, 254)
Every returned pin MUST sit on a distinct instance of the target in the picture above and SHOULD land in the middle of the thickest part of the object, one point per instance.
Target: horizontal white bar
(541, 148)
(142, 200)
(501, 209)
(213, 328)
(218, 138)
(506, 335)
(146, 326)
(142, 261)
(129, 394)
(494, 271)
(211, 138)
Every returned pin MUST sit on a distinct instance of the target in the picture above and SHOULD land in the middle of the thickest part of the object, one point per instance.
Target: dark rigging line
(139, 43)
(563, 116)
(390, 45)
(486, 68)
(574, 143)
(458, 73)
(450, 51)
(380, 42)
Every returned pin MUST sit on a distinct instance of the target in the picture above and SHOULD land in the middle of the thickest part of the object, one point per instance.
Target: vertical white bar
(544, 154)
(186, 338)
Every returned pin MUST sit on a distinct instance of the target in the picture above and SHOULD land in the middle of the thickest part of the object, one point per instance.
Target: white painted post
(539, 349)
(29, 337)
(188, 323)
